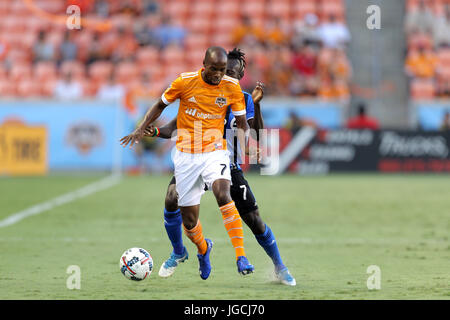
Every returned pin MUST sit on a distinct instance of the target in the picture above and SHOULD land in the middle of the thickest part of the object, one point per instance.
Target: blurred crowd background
(427, 64)
(297, 48)
(321, 63)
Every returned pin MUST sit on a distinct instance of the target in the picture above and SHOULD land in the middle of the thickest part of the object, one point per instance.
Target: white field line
(92, 188)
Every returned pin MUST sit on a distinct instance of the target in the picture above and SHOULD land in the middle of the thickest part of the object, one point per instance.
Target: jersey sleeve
(238, 105)
(173, 92)
(249, 106)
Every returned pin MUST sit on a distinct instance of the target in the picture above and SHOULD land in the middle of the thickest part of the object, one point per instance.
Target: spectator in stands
(126, 46)
(295, 123)
(340, 66)
(445, 125)
(305, 32)
(96, 50)
(68, 89)
(111, 90)
(167, 33)
(246, 32)
(420, 19)
(274, 32)
(143, 31)
(101, 8)
(304, 65)
(362, 120)
(441, 29)
(43, 50)
(128, 7)
(421, 64)
(278, 76)
(68, 49)
(334, 33)
(150, 7)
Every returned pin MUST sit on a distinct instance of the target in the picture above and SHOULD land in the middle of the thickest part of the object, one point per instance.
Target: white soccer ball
(136, 264)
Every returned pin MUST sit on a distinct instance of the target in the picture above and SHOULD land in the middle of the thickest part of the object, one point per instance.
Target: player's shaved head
(215, 54)
(215, 65)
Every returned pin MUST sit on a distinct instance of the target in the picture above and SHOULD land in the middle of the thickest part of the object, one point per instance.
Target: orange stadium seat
(253, 8)
(45, 70)
(76, 68)
(4, 8)
(422, 89)
(3, 72)
(35, 23)
(302, 8)
(100, 70)
(225, 23)
(195, 40)
(90, 87)
(13, 24)
(20, 71)
(222, 39)
(28, 39)
(195, 57)
(176, 9)
(331, 8)
(147, 56)
(48, 87)
(173, 54)
(444, 57)
(281, 9)
(7, 88)
(18, 7)
(29, 88)
(17, 56)
(126, 71)
(202, 8)
(199, 24)
(228, 9)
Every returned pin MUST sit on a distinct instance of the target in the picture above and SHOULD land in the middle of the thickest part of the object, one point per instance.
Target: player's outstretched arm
(152, 114)
(257, 122)
(165, 132)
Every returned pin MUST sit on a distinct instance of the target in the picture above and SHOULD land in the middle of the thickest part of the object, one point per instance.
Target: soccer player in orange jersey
(201, 156)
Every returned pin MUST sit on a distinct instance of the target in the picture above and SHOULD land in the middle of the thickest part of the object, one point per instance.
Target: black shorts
(241, 193)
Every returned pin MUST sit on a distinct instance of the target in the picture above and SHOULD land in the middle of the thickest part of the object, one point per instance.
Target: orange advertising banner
(23, 150)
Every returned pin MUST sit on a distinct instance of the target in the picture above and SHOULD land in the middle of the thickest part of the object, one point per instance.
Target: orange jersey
(202, 110)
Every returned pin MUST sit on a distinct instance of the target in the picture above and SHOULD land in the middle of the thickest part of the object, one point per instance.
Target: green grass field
(329, 230)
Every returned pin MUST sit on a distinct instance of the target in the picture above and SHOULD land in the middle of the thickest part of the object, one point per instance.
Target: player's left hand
(258, 92)
(149, 131)
(132, 138)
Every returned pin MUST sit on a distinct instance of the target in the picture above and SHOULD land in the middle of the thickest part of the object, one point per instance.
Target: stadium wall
(84, 135)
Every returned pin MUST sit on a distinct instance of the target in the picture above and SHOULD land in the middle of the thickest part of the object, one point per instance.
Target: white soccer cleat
(169, 266)
(285, 277)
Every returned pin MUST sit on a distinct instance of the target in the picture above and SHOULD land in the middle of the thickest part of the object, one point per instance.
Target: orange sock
(233, 224)
(196, 236)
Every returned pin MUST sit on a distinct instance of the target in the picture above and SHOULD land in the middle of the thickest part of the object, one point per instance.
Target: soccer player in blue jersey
(241, 192)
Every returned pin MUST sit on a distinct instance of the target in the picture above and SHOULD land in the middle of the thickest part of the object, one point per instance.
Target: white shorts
(194, 170)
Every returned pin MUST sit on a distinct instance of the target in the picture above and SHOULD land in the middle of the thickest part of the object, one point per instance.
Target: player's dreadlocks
(237, 54)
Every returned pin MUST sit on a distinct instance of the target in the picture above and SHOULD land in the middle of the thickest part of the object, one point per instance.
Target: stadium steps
(377, 58)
